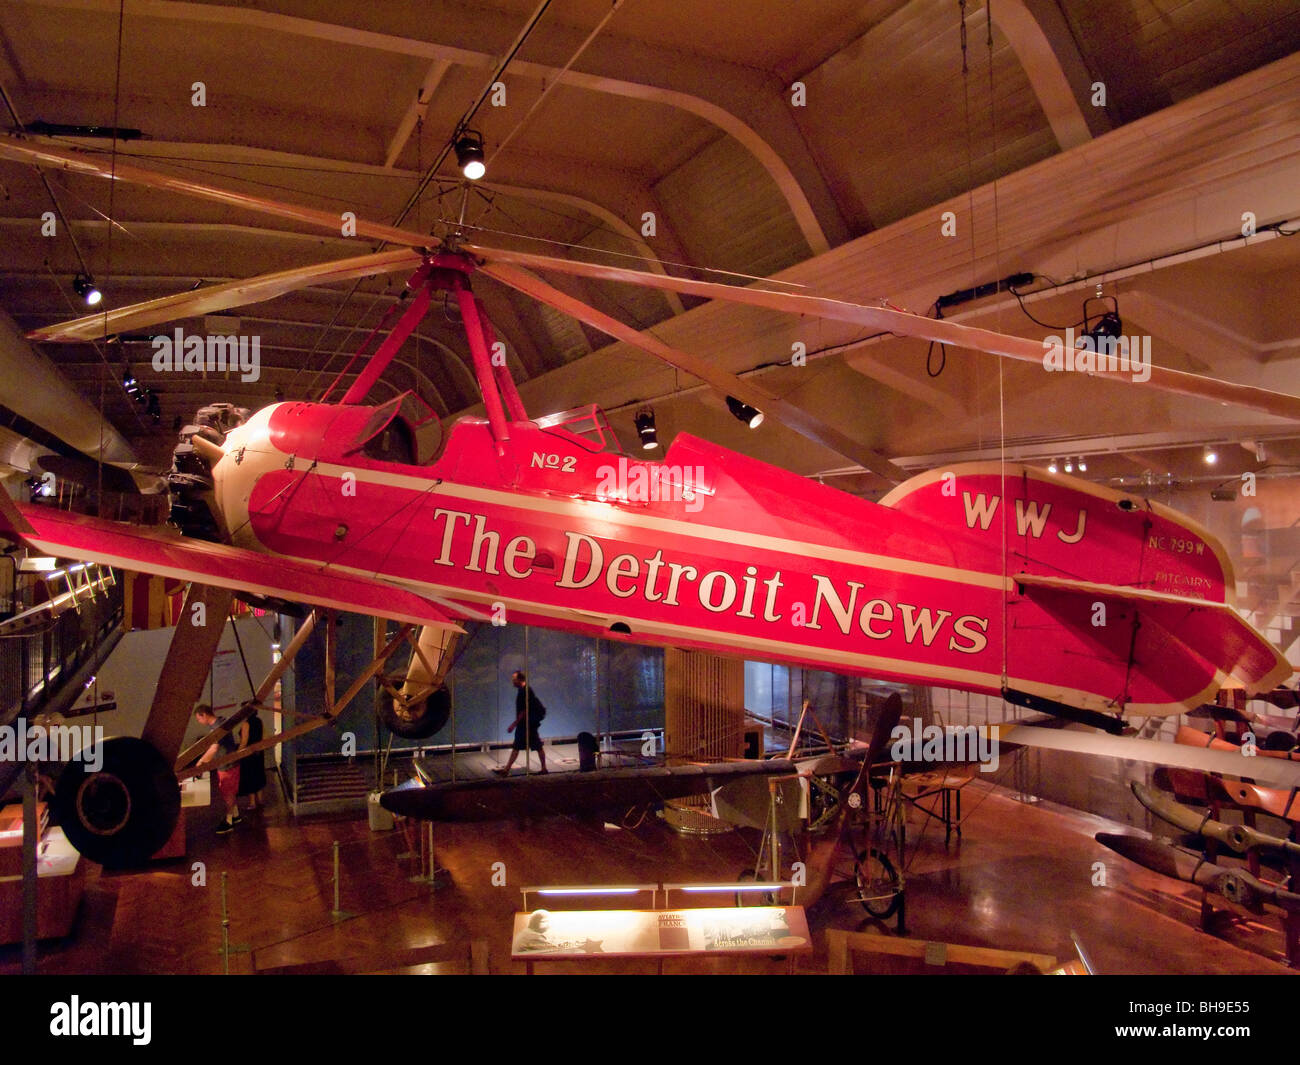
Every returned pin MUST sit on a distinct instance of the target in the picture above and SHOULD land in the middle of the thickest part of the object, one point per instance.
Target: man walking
(529, 713)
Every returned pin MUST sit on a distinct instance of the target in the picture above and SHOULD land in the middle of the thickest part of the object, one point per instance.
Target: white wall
(132, 670)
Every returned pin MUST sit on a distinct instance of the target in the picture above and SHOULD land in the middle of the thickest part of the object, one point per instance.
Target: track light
(1069, 464)
(1051, 466)
(747, 414)
(1109, 328)
(645, 427)
(469, 154)
(1211, 455)
(1083, 464)
(1106, 330)
(85, 287)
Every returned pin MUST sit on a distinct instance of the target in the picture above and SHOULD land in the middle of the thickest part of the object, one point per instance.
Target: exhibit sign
(655, 933)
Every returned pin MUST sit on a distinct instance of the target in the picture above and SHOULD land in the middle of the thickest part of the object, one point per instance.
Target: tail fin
(1110, 592)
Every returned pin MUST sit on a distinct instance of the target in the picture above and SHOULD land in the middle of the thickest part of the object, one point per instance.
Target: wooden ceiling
(689, 113)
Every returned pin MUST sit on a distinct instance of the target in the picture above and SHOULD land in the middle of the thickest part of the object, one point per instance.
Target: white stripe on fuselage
(593, 511)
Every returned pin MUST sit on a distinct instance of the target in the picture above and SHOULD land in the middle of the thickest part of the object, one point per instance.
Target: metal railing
(33, 663)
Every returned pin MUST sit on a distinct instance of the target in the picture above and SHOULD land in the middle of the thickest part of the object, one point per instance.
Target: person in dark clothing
(529, 712)
(227, 778)
(252, 767)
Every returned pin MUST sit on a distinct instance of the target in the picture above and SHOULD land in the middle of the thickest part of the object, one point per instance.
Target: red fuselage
(712, 550)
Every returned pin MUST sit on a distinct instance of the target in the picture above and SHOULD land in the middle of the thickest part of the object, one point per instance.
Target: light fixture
(645, 427)
(130, 384)
(469, 154)
(86, 288)
(1069, 464)
(1083, 464)
(747, 414)
(1051, 466)
(1109, 327)
(1211, 455)
(1103, 333)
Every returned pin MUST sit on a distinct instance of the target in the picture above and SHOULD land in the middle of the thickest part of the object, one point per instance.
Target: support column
(189, 658)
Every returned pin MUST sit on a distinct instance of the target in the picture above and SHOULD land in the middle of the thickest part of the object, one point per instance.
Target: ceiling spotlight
(1069, 464)
(747, 414)
(1083, 464)
(1051, 466)
(645, 427)
(1103, 333)
(469, 154)
(1109, 327)
(1211, 455)
(84, 287)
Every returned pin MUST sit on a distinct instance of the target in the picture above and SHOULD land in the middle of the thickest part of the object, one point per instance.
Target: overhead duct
(32, 388)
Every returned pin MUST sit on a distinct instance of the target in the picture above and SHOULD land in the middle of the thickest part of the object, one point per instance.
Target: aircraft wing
(169, 554)
(562, 794)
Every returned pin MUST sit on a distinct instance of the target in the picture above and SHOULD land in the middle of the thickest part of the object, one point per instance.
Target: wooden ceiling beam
(1042, 41)
(756, 115)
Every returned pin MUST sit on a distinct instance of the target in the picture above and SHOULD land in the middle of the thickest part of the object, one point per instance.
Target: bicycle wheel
(880, 888)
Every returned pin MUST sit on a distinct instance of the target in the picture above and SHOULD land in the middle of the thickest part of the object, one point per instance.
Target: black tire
(753, 898)
(123, 813)
(420, 720)
(879, 885)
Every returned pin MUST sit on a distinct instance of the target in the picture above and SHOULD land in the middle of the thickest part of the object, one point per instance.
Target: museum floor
(1022, 877)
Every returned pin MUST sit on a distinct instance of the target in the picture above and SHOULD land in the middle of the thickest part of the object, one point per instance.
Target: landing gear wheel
(123, 813)
(753, 898)
(880, 887)
(419, 719)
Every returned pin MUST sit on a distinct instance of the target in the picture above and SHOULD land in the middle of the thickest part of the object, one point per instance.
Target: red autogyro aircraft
(1001, 579)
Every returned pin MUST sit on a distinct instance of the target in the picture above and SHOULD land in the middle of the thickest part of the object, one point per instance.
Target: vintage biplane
(984, 577)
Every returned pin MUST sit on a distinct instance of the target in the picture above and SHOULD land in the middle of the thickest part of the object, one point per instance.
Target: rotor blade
(725, 383)
(886, 320)
(223, 297)
(100, 165)
(878, 318)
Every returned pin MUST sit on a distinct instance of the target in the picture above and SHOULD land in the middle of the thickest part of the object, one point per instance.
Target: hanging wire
(1002, 406)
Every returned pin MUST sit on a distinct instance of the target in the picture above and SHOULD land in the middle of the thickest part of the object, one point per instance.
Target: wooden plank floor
(1021, 878)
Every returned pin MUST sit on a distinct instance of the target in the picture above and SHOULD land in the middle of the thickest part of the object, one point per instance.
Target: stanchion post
(225, 927)
(337, 910)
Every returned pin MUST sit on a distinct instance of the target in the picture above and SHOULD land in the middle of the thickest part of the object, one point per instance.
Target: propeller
(881, 319)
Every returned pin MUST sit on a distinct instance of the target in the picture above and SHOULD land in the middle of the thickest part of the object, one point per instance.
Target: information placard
(655, 933)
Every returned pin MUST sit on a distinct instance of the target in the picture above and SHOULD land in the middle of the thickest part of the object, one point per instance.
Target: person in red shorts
(228, 777)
